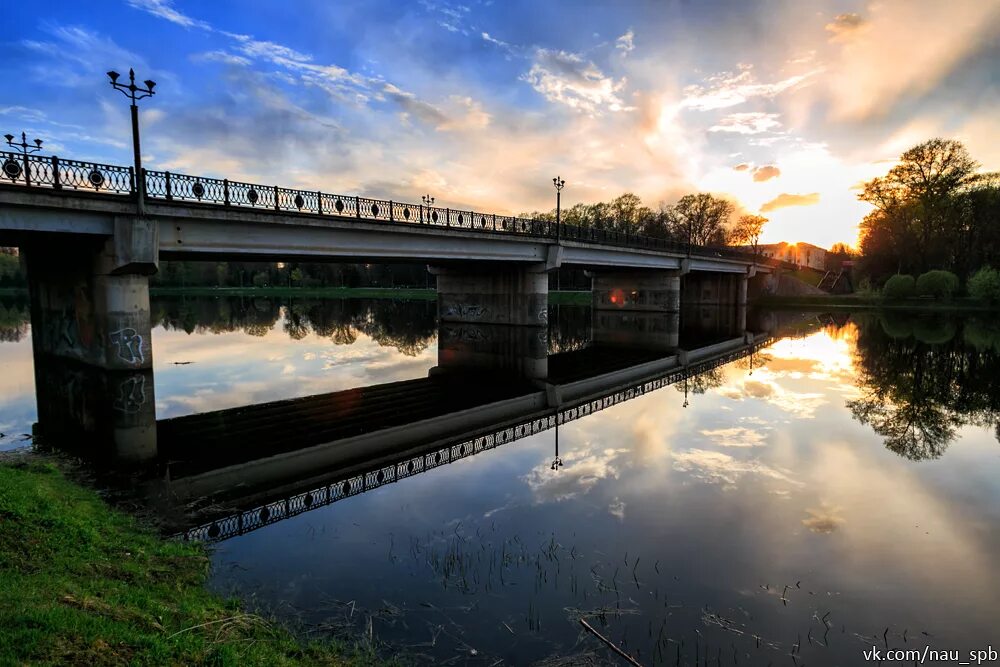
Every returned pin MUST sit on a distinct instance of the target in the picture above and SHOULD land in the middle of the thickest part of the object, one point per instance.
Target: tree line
(701, 218)
(933, 210)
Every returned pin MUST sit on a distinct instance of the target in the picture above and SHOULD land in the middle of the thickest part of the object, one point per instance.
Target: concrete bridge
(92, 234)
(276, 460)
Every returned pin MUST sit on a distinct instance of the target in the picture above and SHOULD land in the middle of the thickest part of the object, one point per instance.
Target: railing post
(494, 222)
(225, 192)
(421, 214)
(27, 171)
(166, 178)
(447, 217)
(56, 183)
(390, 211)
(277, 207)
(357, 207)
(319, 202)
(131, 180)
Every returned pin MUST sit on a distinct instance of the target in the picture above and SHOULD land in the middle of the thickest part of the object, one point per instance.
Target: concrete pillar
(93, 353)
(520, 351)
(657, 291)
(637, 309)
(493, 294)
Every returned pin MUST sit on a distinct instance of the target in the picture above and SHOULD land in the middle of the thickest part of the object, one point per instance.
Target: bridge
(92, 234)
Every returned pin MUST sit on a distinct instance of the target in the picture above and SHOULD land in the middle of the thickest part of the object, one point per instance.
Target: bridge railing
(51, 171)
(60, 174)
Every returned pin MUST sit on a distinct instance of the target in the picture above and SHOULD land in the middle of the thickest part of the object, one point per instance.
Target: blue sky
(782, 105)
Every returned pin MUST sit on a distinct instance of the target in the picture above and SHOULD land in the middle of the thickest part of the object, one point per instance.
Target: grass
(808, 276)
(84, 584)
(875, 302)
(329, 292)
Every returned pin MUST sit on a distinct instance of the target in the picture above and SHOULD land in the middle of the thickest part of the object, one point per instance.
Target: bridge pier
(93, 357)
(637, 309)
(712, 288)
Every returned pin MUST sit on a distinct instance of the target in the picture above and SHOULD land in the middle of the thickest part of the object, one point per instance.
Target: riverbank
(83, 583)
(865, 302)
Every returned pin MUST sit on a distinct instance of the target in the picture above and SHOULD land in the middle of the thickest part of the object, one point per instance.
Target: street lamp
(428, 202)
(10, 168)
(559, 183)
(134, 93)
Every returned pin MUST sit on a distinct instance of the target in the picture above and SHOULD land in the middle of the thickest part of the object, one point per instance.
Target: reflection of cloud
(763, 387)
(717, 467)
(651, 437)
(735, 437)
(826, 519)
(617, 508)
(581, 471)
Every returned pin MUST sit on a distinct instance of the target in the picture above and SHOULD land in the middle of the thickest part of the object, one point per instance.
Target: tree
(921, 219)
(701, 218)
(747, 230)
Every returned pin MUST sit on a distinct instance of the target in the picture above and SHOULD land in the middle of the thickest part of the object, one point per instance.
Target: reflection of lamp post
(135, 93)
(10, 168)
(557, 462)
(685, 392)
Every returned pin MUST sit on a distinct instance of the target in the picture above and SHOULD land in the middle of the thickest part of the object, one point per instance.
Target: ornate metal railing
(59, 174)
(368, 480)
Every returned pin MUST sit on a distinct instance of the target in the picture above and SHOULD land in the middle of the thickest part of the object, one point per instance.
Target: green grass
(84, 584)
(808, 276)
(873, 302)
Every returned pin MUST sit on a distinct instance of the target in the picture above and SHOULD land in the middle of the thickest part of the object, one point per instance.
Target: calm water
(836, 490)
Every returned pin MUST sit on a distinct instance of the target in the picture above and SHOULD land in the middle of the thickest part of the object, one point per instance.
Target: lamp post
(10, 168)
(428, 202)
(559, 183)
(134, 93)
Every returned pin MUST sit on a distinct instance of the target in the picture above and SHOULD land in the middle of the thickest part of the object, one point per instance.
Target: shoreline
(82, 582)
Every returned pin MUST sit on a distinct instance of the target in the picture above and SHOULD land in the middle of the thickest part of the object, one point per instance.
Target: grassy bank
(84, 584)
(865, 302)
(323, 292)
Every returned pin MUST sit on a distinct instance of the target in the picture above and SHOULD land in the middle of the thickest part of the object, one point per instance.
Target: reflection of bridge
(280, 459)
(90, 245)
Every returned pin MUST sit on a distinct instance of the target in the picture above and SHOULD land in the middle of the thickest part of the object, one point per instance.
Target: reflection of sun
(830, 351)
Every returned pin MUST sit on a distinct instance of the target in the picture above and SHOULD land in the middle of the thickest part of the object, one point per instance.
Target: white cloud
(164, 9)
(728, 89)
(747, 123)
(626, 43)
(569, 79)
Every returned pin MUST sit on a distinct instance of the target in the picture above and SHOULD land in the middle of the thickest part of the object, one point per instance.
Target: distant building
(802, 254)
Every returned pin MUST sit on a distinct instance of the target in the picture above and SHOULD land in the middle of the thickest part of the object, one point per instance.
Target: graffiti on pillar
(543, 315)
(131, 394)
(129, 344)
(469, 311)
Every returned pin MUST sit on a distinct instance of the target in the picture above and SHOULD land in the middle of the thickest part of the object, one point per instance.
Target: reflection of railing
(59, 174)
(258, 517)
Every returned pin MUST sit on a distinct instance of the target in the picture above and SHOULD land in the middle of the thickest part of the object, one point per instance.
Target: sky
(783, 106)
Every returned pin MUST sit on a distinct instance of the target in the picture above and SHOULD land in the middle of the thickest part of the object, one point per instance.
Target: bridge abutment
(91, 337)
(487, 294)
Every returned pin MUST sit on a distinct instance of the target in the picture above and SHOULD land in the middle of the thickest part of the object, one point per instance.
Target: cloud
(825, 520)
(626, 43)
(785, 200)
(579, 84)
(721, 468)
(743, 166)
(737, 436)
(729, 89)
(164, 9)
(747, 123)
(843, 26)
(221, 57)
(766, 173)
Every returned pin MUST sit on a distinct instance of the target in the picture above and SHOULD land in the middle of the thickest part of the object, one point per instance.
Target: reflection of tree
(702, 382)
(570, 328)
(14, 319)
(406, 325)
(921, 381)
